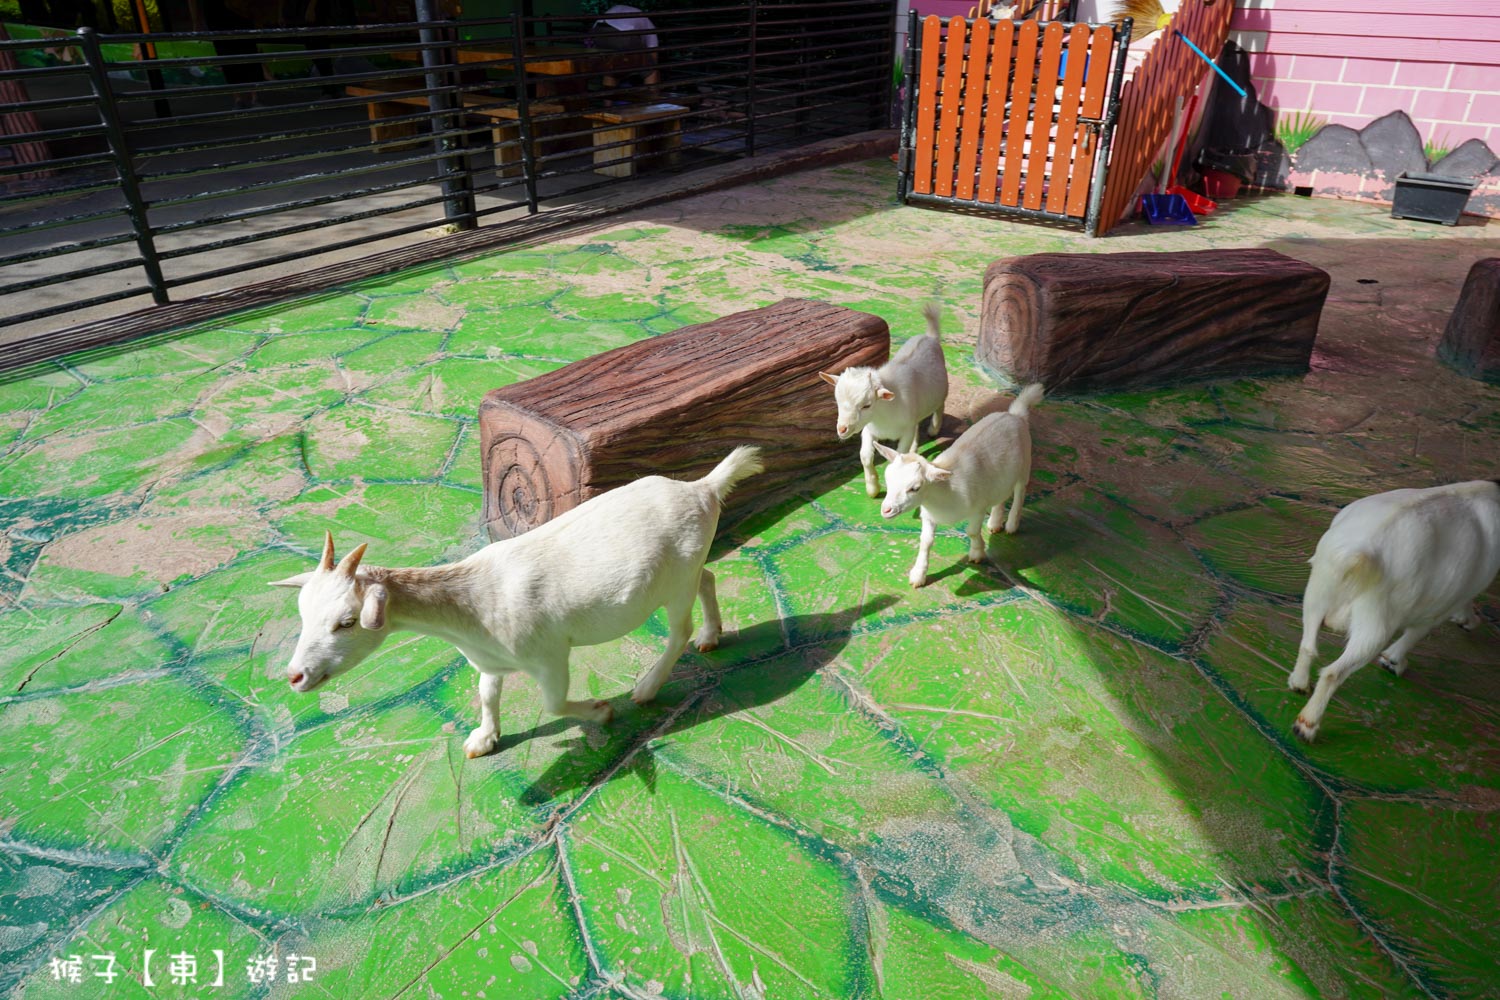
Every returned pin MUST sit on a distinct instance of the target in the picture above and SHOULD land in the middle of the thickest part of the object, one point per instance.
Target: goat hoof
(1302, 687)
(604, 712)
(708, 646)
(480, 743)
(917, 582)
(1397, 667)
(872, 491)
(1304, 732)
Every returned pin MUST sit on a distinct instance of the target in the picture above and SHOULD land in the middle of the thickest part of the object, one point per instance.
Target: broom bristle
(1148, 16)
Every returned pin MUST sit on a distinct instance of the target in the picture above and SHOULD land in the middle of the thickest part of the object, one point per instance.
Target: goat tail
(1356, 572)
(744, 461)
(1029, 397)
(933, 313)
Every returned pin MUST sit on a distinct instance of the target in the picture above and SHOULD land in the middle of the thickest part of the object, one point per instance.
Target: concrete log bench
(1083, 322)
(674, 405)
(1471, 341)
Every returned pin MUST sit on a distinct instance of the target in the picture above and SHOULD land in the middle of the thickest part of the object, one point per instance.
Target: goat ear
(326, 563)
(885, 393)
(372, 611)
(889, 454)
(350, 562)
(936, 475)
(291, 581)
(830, 379)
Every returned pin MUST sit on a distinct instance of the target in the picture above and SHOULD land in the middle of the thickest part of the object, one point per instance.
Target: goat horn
(350, 562)
(326, 563)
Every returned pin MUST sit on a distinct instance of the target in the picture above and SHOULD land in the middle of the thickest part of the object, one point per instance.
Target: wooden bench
(389, 101)
(1471, 340)
(1105, 321)
(651, 130)
(674, 405)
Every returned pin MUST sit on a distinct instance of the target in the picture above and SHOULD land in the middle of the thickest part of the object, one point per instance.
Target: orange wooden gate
(1011, 116)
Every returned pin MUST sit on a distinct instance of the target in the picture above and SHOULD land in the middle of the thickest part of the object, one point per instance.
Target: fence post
(458, 186)
(135, 205)
(908, 103)
(1107, 133)
(523, 109)
(750, 91)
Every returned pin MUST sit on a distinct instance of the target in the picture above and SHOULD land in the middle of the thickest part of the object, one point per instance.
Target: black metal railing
(126, 180)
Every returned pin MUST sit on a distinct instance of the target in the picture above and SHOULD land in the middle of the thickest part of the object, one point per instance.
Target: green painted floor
(1070, 775)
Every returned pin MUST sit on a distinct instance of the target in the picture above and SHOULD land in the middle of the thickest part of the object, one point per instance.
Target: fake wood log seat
(674, 405)
(1471, 341)
(1083, 322)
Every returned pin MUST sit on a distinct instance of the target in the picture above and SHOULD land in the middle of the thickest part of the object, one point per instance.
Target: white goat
(1402, 561)
(989, 463)
(589, 575)
(889, 402)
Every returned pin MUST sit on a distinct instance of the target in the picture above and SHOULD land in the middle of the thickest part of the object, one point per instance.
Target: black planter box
(1431, 197)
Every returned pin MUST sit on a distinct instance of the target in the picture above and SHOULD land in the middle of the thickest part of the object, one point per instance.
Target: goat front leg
(484, 739)
(918, 575)
(552, 678)
(867, 459)
(679, 624)
(1013, 519)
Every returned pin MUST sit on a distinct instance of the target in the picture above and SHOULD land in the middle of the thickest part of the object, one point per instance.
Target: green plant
(1436, 149)
(1294, 130)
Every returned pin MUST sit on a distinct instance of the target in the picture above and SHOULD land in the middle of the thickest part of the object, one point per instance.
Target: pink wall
(1351, 61)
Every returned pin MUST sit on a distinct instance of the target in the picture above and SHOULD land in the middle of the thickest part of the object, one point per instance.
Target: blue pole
(1211, 64)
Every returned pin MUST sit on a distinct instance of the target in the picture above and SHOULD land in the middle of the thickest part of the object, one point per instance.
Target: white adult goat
(889, 402)
(989, 463)
(589, 575)
(1402, 561)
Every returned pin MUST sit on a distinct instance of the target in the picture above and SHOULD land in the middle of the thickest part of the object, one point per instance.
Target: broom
(1147, 14)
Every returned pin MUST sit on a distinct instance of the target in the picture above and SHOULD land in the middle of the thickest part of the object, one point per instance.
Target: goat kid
(1398, 562)
(989, 463)
(590, 575)
(889, 402)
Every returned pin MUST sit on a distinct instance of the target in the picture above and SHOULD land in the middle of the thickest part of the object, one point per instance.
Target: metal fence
(139, 168)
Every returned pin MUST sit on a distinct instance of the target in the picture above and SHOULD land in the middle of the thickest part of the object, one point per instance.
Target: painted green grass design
(1066, 774)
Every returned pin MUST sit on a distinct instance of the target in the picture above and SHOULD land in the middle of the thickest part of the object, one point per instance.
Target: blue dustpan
(1167, 210)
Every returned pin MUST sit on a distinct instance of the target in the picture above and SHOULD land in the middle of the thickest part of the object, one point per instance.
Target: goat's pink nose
(842, 428)
(297, 678)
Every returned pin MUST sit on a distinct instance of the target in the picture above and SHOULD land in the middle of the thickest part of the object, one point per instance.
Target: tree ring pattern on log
(517, 486)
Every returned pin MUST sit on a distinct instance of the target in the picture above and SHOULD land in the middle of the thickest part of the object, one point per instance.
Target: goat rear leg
(1466, 617)
(713, 626)
(553, 680)
(1312, 620)
(1013, 519)
(1394, 657)
(936, 423)
(679, 625)
(1361, 649)
(484, 739)
(976, 538)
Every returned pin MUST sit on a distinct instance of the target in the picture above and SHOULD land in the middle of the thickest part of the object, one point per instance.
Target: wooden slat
(1043, 118)
(927, 89)
(950, 102)
(1024, 61)
(1063, 167)
(1170, 70)
(973, 106)
(994, 115)
(1101, 49)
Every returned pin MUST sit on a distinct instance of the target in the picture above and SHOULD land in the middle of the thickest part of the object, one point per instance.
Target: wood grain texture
(675, 405)
(1471, 341)
(1082, 322)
